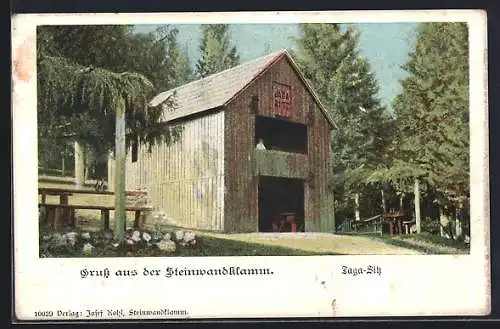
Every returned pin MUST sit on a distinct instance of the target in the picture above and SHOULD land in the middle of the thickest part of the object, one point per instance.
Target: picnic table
(64, 212)
(288, 217)
(395, 220)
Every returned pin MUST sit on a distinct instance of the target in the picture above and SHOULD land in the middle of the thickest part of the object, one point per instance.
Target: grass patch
(211, 246)
(424, 242)
(205, 246)
(440, 241)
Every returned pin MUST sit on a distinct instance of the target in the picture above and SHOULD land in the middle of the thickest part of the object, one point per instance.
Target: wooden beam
(120, 171)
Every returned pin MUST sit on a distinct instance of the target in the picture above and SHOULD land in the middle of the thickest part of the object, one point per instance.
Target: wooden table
(64, 213)
(289, 217)
(395, 220)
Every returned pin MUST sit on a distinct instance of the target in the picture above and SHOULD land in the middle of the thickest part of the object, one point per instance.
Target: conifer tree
(217, 53)
(432, 114)
(330, 59)
(83, 71)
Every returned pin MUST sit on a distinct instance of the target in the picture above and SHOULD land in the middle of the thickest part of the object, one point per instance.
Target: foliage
(156, 55)
(432, 110)
(217, 54)
(330, 60)
(79, 87)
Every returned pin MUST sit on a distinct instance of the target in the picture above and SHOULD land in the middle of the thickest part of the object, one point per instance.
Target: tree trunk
(384, 204)
(356, 209)
(79, 165)
(119, 228)
(417, 205)
(458, 220)
(444, 223)
(401, 197)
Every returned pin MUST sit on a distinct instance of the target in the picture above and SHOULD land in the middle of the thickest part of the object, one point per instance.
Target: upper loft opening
(281, 135)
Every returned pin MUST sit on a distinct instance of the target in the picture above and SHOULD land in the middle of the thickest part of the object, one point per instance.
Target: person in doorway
(260, 145)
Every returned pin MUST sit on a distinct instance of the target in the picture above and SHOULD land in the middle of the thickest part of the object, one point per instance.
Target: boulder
(157, 236)
(166, 245)
(58, 240)
(179, 235)
(188, 244)
(146, 237)
(71, 238)
(188, 237)
(86, 236)
(88, 248)
(136, 236)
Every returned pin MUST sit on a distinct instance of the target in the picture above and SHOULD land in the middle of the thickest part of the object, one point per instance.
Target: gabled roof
(219, 89)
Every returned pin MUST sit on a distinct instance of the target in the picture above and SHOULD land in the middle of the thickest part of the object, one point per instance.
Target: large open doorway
(281, 204)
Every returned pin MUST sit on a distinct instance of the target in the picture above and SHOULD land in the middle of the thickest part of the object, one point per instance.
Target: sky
(385, 45)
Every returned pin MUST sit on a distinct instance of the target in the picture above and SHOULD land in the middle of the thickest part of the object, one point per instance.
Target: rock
(136, 236)
(86, 235)
(88, 248)
(71, 238)
(46, 237)
(179, 235)
(115, 245)
(166, 245)
(146, 237)
(129, 241)
(188, 244)
(188, 237)
(157, 236)
(58, 240)
(467, 239)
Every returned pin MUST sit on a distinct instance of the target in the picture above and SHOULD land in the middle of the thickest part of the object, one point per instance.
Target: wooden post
(417, 205)
(63, 166)
(120, 171)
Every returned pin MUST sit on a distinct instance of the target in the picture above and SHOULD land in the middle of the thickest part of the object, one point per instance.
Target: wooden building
(215, 179)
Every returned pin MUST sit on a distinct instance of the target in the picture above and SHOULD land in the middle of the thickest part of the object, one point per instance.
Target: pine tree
(330, 59)
(175, 65)
(432, 112)
(217, 54)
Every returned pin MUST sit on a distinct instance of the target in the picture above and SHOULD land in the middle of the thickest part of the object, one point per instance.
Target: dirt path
(321, 242)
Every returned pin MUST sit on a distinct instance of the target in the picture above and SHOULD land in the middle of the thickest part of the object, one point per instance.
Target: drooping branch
(85, 98)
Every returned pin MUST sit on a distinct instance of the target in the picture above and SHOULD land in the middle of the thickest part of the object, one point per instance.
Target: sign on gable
(282, 100)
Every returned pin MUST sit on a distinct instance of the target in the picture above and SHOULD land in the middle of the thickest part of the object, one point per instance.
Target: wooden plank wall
(186, 179)
(241, 200)
(319, 203)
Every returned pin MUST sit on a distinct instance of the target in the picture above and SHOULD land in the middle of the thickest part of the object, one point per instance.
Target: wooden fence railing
(373, 225)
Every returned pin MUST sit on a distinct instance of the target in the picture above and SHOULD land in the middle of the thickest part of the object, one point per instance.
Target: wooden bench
(53, 211)
(407, 225)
